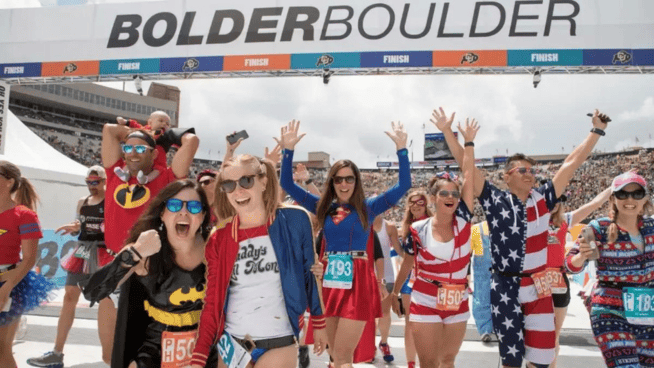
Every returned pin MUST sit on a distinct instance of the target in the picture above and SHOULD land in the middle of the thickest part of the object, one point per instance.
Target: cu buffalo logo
(469, 58)
(325, 60)
(190, 65)
(622, 57)
(129, 197)
(70, 68)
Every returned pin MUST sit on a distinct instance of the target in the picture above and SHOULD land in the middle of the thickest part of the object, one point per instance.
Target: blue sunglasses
(176, 205)
(141, 148)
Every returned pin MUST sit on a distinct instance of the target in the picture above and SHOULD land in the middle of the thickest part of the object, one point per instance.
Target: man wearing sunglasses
(522, 311)
(79, 265)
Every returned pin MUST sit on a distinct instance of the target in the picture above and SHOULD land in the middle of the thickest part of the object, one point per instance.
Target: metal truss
(508, 70)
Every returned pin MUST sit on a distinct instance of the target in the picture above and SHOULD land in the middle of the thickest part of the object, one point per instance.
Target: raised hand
(441, 120)
(600, 120)
(398, 135)
(470, 131)
(148, 243)
(301, 173)
(290, 136)
(275, 156)
(231, 148)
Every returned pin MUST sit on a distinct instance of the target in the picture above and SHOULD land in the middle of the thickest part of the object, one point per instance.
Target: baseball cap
(629, 177)
(96, 171)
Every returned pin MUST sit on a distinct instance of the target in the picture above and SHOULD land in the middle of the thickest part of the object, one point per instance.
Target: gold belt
(172, 319)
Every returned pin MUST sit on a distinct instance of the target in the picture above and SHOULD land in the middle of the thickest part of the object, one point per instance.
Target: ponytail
(25, 193)
(612, 232)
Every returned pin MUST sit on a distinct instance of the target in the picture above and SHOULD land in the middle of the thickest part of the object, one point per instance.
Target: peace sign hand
(441, 120)
(470, 131)
(289, 136)
(398, 135)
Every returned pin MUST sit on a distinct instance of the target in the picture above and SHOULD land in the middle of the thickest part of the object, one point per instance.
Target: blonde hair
(25, 193)
(612, 232)
(261, 168)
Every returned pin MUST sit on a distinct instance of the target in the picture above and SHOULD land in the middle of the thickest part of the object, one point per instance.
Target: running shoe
(386, 352)
(303, 358)
(411, 364)
(48, 360)
(486, 337)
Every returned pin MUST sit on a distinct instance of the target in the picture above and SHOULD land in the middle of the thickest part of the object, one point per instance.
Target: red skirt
(362, 302)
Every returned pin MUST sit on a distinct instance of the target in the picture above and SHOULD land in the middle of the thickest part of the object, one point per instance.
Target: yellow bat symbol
(178, 296)
(3, 231)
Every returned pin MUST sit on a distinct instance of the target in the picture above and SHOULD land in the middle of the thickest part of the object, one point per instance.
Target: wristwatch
(127, 258)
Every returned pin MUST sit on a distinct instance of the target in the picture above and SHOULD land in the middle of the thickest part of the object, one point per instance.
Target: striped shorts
(423, 306)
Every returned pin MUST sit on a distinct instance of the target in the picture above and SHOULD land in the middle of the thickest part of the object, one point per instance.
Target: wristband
(598, 131)
(469, 144)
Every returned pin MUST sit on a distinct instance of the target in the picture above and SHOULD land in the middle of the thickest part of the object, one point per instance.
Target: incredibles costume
(292, 241)
(345, 234)
(18, 224)
(149, 307)
(621, 264)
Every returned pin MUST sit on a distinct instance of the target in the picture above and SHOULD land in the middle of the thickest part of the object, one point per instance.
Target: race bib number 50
(177, 348)
(338, 274)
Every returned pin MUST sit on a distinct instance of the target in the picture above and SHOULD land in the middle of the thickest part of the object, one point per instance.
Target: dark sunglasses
(245, 182)
(207, 182)
(523, 170)
(419, 202)
(92, 183)
(176, 205)
(141, 148)
(348, 179)
(636, 194)
(449, 193)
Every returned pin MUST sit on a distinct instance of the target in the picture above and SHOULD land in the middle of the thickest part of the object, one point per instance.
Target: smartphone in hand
(233, 138)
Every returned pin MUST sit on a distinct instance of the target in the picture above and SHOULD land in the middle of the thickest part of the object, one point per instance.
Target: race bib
(83, 252)
(557, 281)
(638, 305)
(177, 348)
(542, 283)
(338, 274)
(232, 353)
(450, 297)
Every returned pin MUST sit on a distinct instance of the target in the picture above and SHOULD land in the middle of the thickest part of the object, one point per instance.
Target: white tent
(59, 180)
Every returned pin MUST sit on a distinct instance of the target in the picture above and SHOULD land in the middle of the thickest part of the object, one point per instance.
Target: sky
(347, 118)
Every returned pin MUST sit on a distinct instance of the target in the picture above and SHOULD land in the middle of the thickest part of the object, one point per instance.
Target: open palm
(441, 120)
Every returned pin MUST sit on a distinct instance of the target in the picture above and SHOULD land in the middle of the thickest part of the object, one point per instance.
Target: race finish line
(192, 39)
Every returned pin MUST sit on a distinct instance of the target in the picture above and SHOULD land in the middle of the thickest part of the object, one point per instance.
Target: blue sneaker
(386, 351)
(48, 360)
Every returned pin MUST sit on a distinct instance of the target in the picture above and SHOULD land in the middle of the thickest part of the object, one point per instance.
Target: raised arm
(231, 148)
(579, 154)
(184, 157)
(444, 124)
(469, 133)
(288, 140)
(582, 212)
(112, 136)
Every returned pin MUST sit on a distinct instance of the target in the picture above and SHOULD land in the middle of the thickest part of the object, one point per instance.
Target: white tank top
(385, 241)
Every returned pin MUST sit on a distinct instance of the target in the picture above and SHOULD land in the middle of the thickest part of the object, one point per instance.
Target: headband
(143, 136)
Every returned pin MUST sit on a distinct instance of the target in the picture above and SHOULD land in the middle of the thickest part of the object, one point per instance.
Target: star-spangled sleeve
(486, 191)
(547, 190)
(464, 212)
(409, 244)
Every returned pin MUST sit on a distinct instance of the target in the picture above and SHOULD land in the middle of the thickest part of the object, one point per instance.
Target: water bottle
(589, 237)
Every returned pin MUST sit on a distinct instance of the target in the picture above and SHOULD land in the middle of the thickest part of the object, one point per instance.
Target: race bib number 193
(338, 274)
(232, 353)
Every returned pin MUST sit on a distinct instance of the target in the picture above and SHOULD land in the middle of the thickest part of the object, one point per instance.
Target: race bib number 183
(638, 305)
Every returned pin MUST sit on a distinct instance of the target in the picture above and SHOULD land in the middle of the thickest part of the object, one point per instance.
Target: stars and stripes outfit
(524, 323)
(621, 264)
(432, 271)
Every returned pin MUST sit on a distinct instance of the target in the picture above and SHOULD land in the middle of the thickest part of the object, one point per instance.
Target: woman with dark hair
(346, 217)
(416, 209)
(259, 278)
(438, 249)
(161, 301)
(21, 289)
(623, 246)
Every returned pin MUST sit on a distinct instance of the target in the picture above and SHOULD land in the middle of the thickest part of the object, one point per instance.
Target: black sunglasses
(523, 170)
(448, 193)
(348, 179)
(636, 194)
(245, 182)
(92, 183)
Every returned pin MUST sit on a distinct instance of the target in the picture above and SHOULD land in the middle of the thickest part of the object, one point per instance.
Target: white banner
(4, 113)
(194, 28)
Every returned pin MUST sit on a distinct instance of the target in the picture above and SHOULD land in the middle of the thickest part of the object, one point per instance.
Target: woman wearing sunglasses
(21, 289)
(438, 249)
(161, 301)
(346, 217)
(259, 279)
(621, 312)
(416, 209)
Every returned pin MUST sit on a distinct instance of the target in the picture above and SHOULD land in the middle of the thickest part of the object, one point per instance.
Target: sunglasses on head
(449, 193)
(207, 182)
(348, 179)
(92, 183)
(245, 182)
(636, 194)
(140, 148)
(523, 170)
(176, 205)
(418, 202)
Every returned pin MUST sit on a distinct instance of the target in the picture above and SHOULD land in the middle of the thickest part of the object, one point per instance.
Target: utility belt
(354, 253)
(510, 274)
(172, 319)
(274, 343)
(441, 283)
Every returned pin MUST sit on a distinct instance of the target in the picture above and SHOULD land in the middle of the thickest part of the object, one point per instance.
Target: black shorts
(562, 300)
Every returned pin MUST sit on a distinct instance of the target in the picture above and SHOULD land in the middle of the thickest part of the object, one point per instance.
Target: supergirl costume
(620, 265)
(291, 239)
(441, 270)
(345, 236)
(20, 223)
(154, 313)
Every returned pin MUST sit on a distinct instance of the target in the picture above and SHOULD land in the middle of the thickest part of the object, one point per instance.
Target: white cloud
(644, 113)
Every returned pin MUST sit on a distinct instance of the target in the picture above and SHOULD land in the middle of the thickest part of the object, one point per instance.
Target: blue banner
(383, 164)
(396, 59)
(191, 64)
(609, 57)
(499, 159)
(52, 248)
(325, 61)
(545, 57)
(129, 66)
(644, 57)
(20, 70)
